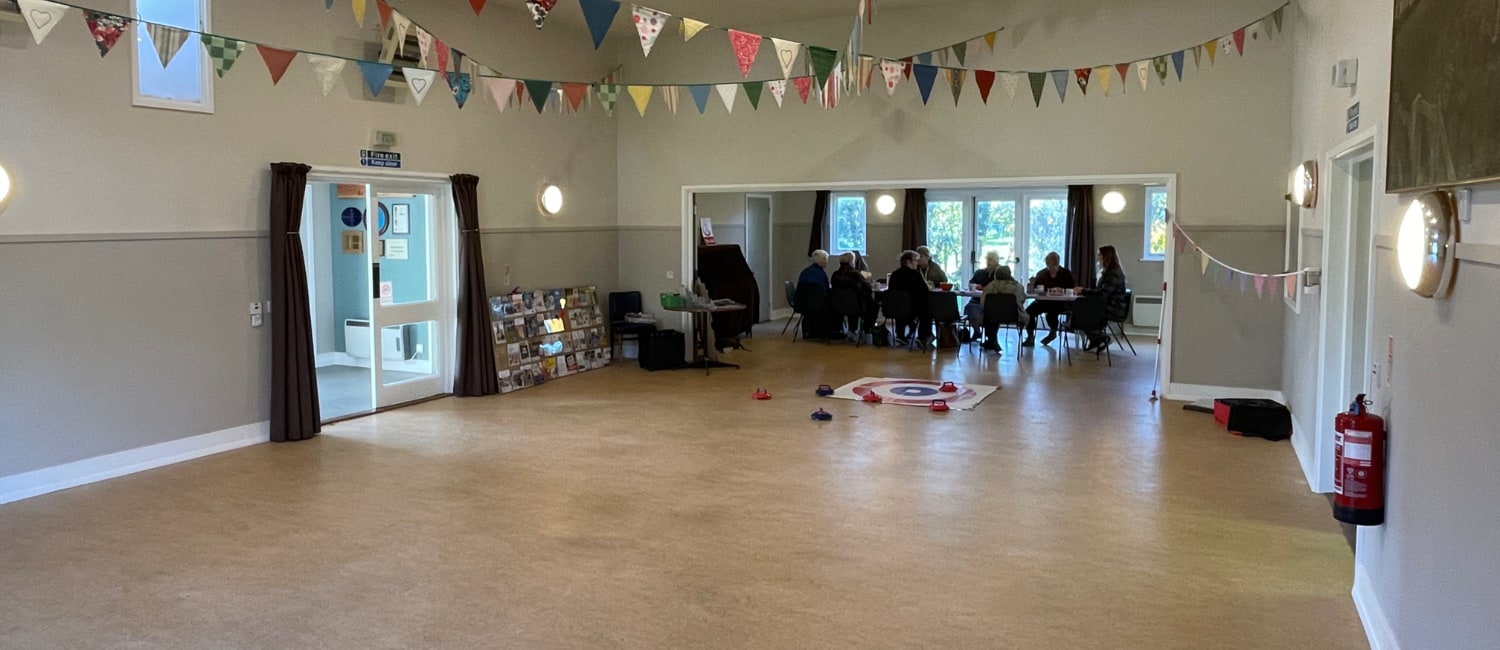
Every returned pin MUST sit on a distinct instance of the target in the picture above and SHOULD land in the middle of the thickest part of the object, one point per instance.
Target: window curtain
(1081, 249)
(819, 238)
(914, 220)
(294, 377)
(475, 376)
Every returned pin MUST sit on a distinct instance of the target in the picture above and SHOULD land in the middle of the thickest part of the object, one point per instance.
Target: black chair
(817, 317)
(1120, 324)
(1000, 310)
(1088, 315)
(846, 307)
(621, 303)
(791, 301)
(896, 306)
(944, 310)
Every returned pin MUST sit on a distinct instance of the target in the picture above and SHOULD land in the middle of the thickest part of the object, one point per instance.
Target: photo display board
(544, 335)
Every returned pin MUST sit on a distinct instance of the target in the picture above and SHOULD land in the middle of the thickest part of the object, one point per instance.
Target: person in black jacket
(848, 277)
(1112, 285)
(1054, 276)
(909, 280)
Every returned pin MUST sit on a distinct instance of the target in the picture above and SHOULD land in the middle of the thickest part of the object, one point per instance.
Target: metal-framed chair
(944, 311)
(791, 301)
(1001, 310)
(620, 304)
(1120, 324)
(846, 305)
(896, 307)
(1087, 315)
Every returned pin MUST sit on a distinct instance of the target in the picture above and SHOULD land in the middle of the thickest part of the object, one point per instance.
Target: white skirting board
(1195, 392)
(1377, 627)
(1302, 443)
(99, 468)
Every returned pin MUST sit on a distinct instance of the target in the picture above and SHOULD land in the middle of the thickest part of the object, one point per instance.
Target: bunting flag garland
(575, 92)
(866, 72)
(669, 97)
(823, 60)
(1197, 57)
(328, 69)
(925, 75)
(1177, 62)
(1038, 81)
(1082, 75)
(989, 39)
(167, 40)
(420, 81)
(401, 24)
(1213, 50)
(700, 94)
(778, 90)
(540, 91)
(753, 91)
(384, 10)
(1060, 81)
(359, 11)
(746, 47)
(1239, 41)
(461, 84)
(786, 55)
(108, 28)
(1102, 76)
(539, 10)
(1160, 65)
(609, 95)
(478, 5)
(804, 86)
(892, 70)
(960, 50)
(501, 90)
(1262, 281)
(444, 54)
(1203, 262)
(1260, 286)
(1143, 71)
(906, 65)
(956, 82)
(1011, 81)
(690, 28)
(276, 61)
(985, 79)
(375, 74)
(942, 58)
(925, 58)
(1225, 44)
(599, 15)
(728, 92)
(1124, 70)
(648, 24)
(424, 45)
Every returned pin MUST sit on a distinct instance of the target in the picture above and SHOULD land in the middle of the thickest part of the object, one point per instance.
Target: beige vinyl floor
(626, 509)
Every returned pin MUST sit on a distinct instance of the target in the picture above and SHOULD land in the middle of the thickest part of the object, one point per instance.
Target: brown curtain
(1081, 235)
(914, 220)
(818, 240)
(294, 377)
(475, 375)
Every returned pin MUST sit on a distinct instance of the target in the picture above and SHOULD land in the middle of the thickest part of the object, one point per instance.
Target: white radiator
(357, 341)
(1146, 312)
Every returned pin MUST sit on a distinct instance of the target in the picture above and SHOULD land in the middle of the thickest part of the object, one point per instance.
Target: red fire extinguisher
(1359, 466)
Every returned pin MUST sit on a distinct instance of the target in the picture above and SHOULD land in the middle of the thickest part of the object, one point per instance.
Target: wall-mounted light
(5, 187)
(885, 205)
(550, 200)
(1305, 185)
(1113, 202)
(1424, 245)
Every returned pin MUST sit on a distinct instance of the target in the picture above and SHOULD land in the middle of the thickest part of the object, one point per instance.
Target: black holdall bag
(662, 350)
(880, 337)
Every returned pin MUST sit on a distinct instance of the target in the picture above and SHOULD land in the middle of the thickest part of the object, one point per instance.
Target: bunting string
(1185, 241)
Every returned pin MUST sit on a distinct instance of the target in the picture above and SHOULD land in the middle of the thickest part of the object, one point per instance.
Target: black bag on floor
(880, 337)
(662, 350)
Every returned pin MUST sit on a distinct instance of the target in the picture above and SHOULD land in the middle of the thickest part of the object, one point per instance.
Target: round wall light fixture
(885, 205)
(1113, 202)
(5, 187)
(1425, 243)
(1305, 185)
(550, 200)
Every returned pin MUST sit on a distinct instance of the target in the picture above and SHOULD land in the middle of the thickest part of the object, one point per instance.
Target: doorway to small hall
(380, 257)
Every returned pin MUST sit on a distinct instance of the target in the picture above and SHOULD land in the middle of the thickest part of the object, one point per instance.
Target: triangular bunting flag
(989, 39)
(960, 51)
(956, 82)
(167, 40)
(985, 79)
(501, 90)
(1178, 59)
(1160, 65)
(866, 71)
(1244, 282)
(1038, 82)
(669, 97)
(1228, 275)
(1011, 81)
(823, 60)
(385, 10)
(746, 47)
(690, 28)
(424, 44)
(728, 92)
(444, 54)
(599, 15)
(891, 70)
(1203, 262)
(1239, 41)
(942, 58)
(1197, 56)
(108, 28)
(1213, 50)
(359, 11)
(1124, 70)
(1226, 44)
(1082, 76)
(328, 5)
(575, 92)
(478, 6)
(1291, 285)
(328, 69)
(276, 61)
(1276, 17)
(41, 16)
(461, 84)
(778, 90)
(402, 25)
(1143, 72)
(906, 64)
(753, 90)
(375, 74)
(1060, 81)
(539, 10)
(648, 24)
(1260, 286)
(804, 87)
(540, 91)
(1102, 76)
(925, 58)
(609, 95)
(786, 55)
(700, 96)
(925, 75)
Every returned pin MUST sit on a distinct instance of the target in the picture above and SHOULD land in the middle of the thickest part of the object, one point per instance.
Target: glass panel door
(995, 230)
(1047, 231)
(408, 228)
(945, 235)
(336, 254)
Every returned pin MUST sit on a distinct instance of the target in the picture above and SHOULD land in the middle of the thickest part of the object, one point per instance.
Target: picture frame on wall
(401, 219)
(354, 242)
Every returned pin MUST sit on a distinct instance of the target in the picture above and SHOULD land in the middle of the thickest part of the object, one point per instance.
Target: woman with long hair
(1112, 286)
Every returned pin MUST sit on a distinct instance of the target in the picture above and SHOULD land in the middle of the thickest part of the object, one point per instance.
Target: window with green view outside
(1156, 223)
(847, 225)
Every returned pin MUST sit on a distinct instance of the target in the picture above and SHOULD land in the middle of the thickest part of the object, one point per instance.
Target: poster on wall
(1444, 129)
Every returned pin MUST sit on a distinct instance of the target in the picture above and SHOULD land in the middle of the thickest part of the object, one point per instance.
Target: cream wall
(1425, 579)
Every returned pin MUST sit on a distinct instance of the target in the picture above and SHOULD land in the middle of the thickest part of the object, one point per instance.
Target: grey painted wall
(1236, 337)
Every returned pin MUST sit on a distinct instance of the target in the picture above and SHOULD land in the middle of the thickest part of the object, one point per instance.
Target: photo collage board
(543, 335)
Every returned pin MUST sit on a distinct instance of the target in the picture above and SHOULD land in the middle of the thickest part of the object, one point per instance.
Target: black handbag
(880, 337)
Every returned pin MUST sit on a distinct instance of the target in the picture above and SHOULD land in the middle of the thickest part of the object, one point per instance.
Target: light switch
(671, 275)
(255, 309)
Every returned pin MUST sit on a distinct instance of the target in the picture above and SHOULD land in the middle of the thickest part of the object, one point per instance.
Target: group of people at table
(919, 277)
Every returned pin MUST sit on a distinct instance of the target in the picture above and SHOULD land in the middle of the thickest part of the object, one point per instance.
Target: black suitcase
(662, 350)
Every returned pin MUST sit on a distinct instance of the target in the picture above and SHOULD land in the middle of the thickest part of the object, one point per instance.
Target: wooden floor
(629, 509)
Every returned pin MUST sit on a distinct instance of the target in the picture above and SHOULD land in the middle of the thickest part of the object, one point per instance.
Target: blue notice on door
(386, 159)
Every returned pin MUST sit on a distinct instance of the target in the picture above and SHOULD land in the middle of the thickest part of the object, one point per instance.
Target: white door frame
(769, 298)
(1164, 353)
(1336, 305)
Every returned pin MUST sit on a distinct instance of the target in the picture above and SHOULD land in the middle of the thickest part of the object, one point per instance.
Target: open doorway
(379, 256)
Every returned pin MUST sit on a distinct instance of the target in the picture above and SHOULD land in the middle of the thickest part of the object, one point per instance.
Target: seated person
(812, 298)
(908, 279)
(849, 277)
(1052, 277)
(1003, 287)
(1112, 286)
(974, 311)
(932, 274)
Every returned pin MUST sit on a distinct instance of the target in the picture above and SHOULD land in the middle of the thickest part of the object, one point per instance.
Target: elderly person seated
(974, 311)
(932, 274)
(908, 279)
(1002, 287)
(848, 277)
(811, 298)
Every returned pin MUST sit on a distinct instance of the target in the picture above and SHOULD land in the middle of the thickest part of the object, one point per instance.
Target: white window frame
(832, 219)
(1022, 198)
(205, 66)
(1146, 254)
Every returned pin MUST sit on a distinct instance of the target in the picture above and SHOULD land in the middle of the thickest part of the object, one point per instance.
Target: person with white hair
(974, 311)
(812, 298)
(932, 273)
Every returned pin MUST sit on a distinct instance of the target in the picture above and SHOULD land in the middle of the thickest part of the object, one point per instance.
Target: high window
(186, 82)
(1155, 248)
(847, 223)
